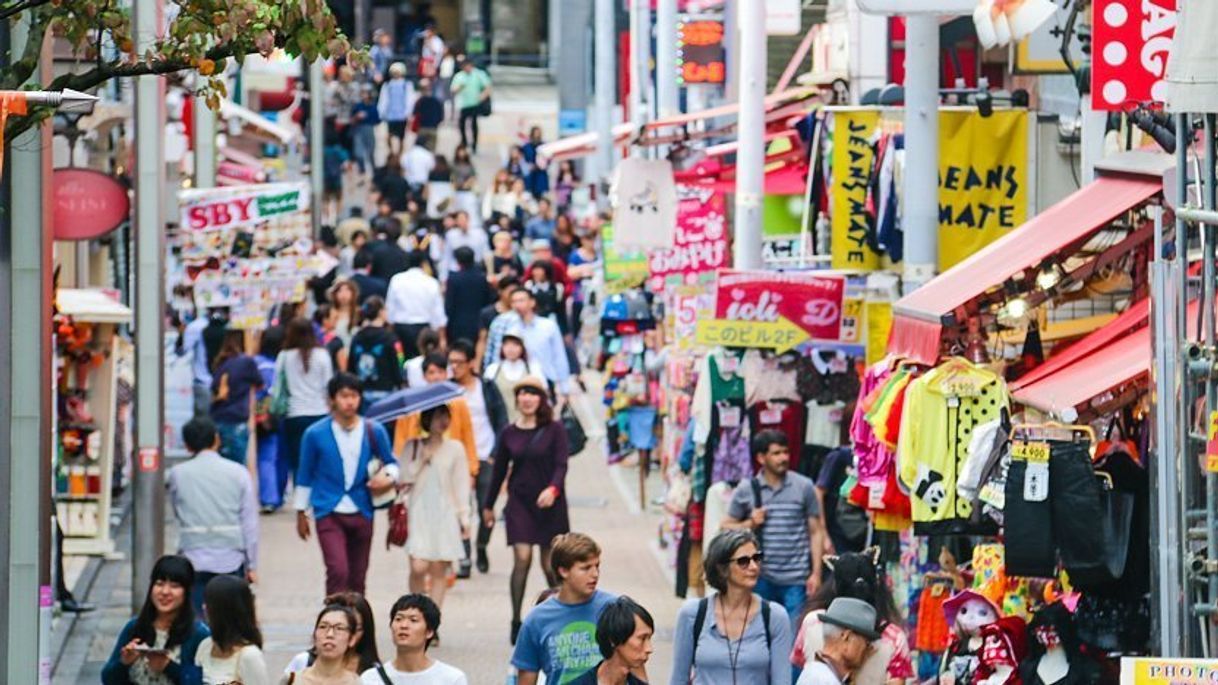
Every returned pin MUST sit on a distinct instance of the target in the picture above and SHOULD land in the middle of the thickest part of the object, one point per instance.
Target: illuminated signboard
(701, 57)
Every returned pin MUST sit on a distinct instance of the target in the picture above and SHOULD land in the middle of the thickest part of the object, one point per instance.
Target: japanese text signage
(701, 242)
(701, 57)
(851, 224)
(812, 303)
(1131, 43)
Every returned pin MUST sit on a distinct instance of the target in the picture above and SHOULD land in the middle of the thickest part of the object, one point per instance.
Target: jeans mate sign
(700, 244)
(811, 302)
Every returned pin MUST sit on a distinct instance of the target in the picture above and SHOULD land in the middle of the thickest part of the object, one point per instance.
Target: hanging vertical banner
(983, 173)
(853, 155)
(1131, 41)
(645, 203)
(701, 242)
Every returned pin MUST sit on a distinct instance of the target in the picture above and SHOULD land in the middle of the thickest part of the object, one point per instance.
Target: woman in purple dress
(535, 449)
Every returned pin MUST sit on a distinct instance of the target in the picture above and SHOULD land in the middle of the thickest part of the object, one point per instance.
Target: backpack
(700, 621)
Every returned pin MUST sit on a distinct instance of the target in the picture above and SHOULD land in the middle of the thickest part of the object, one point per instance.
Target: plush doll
(1004, 645)
(1055, 654)
(967, 612)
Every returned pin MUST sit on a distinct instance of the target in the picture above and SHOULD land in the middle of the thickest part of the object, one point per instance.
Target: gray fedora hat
(854, 615)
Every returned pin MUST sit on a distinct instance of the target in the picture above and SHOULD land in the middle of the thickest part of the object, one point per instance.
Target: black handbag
(577, 439)
(484, 108)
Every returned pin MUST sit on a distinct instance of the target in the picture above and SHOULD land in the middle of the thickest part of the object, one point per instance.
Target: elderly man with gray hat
(850, 629)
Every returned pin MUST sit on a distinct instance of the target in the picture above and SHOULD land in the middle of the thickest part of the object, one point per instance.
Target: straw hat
(531, 383)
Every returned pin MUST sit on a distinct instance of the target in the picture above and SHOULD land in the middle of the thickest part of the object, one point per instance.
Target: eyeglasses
(336, 628)
(743, 562)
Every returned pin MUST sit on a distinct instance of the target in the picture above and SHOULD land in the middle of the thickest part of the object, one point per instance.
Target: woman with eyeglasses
(334, 641)
(733, 636)
(158, 646)
(365, 655)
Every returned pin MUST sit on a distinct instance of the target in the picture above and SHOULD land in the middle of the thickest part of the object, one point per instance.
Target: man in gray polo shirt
(782, 508)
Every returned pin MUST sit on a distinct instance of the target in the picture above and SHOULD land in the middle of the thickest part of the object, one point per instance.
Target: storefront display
(87, 426)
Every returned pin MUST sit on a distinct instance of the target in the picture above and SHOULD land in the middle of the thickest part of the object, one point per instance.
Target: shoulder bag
(577, 439)
(399, 516)
(280, 394)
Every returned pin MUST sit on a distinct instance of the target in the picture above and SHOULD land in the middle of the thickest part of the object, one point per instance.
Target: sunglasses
(743, 562)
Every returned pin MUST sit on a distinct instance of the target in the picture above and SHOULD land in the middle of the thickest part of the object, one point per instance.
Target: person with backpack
(782, 509)
(733, 635)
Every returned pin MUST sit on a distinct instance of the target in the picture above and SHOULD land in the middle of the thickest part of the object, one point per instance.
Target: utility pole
(750, 160)
(317, 159)
(26, 597)
(606, 93)
(148, 531)
(204, 143)
(667, 97)
(921, 216)
(640, 63)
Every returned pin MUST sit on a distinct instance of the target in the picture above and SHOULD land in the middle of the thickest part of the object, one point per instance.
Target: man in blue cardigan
(337, 478)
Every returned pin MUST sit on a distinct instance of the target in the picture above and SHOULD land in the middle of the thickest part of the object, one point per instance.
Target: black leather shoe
(483, 563)
(463, 569)
(71, 606)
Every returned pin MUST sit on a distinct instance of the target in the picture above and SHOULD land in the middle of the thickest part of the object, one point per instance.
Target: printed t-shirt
(560, 639)
(231, 386)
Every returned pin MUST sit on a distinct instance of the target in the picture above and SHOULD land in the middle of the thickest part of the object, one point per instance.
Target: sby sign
(206, 210)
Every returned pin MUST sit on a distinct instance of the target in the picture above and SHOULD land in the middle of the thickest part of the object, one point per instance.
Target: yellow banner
(983, 181)
(1152, 671)
(879, 325)
(780, 335)
(853, 155)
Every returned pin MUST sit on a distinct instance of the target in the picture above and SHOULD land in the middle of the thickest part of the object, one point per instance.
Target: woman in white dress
(437, 475)
(233, 653)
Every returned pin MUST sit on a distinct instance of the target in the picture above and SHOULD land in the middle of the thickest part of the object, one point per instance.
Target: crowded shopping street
(609, 342)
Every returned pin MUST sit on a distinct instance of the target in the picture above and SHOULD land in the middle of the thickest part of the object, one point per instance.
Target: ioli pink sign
(812, 302)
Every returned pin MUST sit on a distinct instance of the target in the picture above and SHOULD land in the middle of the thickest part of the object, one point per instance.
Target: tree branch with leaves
(199, 35)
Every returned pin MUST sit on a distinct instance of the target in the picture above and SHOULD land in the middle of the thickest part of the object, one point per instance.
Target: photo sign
(808, 305)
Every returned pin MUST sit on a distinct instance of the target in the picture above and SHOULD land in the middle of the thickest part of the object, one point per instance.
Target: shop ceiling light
(1049, 276)
(1016, 308)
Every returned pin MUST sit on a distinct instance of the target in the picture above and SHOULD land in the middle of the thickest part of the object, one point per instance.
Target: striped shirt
(784, 535)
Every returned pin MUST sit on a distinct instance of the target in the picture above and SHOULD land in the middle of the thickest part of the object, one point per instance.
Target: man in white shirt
(417, 164)
(463, 234)
(413, 621)
(414, 303)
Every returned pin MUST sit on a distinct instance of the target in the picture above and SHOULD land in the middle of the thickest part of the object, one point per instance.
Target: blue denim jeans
(791, 597)
(202, 578)
(272, 471)
(234, 440)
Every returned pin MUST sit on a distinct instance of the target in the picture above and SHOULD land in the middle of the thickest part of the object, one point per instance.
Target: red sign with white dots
(1130, 46)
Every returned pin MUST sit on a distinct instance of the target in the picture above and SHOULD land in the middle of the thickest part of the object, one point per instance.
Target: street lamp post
(750, 161)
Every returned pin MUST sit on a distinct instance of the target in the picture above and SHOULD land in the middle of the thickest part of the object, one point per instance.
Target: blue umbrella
(413, 401)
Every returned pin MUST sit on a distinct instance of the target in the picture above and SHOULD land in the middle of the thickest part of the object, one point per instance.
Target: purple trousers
(346, 542)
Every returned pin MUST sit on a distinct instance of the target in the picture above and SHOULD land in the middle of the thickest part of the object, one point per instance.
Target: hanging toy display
(1004, 645)
(967, 612)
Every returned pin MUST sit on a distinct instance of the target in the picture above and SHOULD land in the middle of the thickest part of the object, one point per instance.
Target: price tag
(730, 364)
(1036, 482)
(729, 417)
(875, 496)
(839, 365)
(770, 417)
(963, 387)
(1032, 452)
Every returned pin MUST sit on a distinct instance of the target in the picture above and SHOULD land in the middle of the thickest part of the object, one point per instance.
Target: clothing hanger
(1054, 431)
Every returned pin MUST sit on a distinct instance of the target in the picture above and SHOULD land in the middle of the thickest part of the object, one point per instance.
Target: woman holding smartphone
(158, 646)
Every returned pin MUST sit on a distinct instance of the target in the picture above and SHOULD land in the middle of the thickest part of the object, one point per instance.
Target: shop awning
(581, 145)
(91, 305)
(1131, 320)
(231, 110)
(919, 316)
(1121, 362)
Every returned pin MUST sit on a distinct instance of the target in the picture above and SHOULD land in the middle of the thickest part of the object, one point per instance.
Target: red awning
(1125, 360)
(1133, 319)
(1069, 222)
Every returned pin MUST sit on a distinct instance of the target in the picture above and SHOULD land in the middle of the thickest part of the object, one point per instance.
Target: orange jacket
(462, 430)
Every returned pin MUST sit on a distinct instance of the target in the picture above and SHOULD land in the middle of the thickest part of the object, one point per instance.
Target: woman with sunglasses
(534, 448)
(733, 636)
(158, 646)
(334, 641)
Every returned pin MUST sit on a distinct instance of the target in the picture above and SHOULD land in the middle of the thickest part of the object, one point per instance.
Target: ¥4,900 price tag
(1035, 452)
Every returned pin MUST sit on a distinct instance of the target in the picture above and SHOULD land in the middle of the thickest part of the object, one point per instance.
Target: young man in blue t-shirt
(559, 635)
